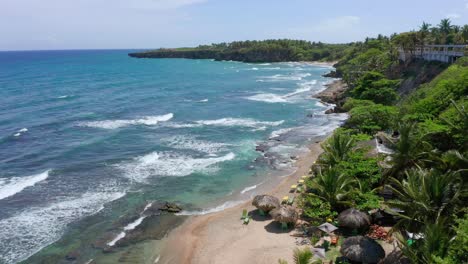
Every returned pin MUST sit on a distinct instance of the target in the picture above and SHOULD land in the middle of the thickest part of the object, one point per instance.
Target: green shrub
(372, 118)
(375, 87)
(365, 169)
(352, 103)
(316, 209)
(366, 201)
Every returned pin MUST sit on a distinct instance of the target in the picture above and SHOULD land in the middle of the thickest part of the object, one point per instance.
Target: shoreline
(221, 238)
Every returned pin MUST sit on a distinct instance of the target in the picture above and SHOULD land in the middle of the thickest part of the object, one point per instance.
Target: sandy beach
(222, 238)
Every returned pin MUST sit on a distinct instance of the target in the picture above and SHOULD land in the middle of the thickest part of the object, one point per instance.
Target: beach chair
(285, 200)
(244, 214)
(300, 182)
(291, 200)
(293, 188)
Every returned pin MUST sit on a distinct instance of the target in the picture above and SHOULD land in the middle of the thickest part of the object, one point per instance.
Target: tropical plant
(426, 194)
(433, 246)
(409, 149)
(333, 187)
(301, 256)
(336, 149)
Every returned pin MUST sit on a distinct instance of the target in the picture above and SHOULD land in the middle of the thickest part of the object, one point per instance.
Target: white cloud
(453, 16)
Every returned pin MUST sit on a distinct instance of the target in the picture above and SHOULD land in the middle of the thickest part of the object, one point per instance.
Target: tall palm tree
(445, 25)
(426, 194)
(333, 187)
(423, 33)
(464, 32)
(336, 149)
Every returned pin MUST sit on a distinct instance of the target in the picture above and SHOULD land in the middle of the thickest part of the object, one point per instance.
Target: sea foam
(170, 164)
(191, 143)
(114, 124)
(37, 227)
(243, 122)
(14, 185)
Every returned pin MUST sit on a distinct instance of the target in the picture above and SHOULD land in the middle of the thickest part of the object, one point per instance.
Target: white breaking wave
(279, 132)
(14, 185)
(243, 122)
(128, 227)
(203, 101)
(170, 164)
(188, 142)
(250, 188)
(114, 124)
(37, 227)
(268, 98)
(283, 77)
(219, 208)
(19, 132)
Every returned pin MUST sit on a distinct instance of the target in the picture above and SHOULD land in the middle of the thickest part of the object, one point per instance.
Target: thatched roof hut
(354, 219)
(285, 214)
(362, 249)
(266, 203)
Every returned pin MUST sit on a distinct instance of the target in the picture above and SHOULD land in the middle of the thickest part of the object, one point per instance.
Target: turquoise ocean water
(88, 136)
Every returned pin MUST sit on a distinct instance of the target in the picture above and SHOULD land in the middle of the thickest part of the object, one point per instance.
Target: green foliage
(409, 150)
(366, 201)
(272, 50)
(427, 194)
(352, 103)
(317, 210)
(364, 168)
(303, 256)
(337, 148)
(375, 87)
(433, 98)
(333, 187)
(372, 118)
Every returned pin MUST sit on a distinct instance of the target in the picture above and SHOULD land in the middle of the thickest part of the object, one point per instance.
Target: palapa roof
(318, 252)
(265, 202)
(285, 214)
(362, 249)
(353, 218)
(327, 227)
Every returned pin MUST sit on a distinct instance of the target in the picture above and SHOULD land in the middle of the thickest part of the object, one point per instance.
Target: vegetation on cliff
(275, 50)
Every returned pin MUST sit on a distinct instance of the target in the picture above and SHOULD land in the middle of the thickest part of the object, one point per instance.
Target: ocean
(88, 138)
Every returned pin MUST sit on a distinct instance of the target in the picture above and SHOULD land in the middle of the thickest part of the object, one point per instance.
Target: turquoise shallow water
(96, 133)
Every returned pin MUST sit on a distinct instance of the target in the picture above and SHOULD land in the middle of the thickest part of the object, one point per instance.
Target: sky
(134, 24)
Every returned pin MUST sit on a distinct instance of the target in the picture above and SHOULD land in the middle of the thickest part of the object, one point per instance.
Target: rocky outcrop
(334, 94)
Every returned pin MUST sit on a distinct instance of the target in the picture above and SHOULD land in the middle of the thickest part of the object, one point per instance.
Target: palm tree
(424, 32)
(337, 149)
(426, 194)
(445, 25)
(333, 187)
(301, 256)
(464, 32)
(436, 241)
(409, 149)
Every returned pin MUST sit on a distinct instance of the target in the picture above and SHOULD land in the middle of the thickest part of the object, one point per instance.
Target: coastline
(220, 237)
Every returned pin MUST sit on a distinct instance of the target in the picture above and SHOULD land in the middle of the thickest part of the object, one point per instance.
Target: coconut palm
(445, 26)
(336, 149)
(426, 194)
(333, 187)
(424, 32)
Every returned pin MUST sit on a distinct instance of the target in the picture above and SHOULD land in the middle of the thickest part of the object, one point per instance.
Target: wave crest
(14, 185)
(114, 124)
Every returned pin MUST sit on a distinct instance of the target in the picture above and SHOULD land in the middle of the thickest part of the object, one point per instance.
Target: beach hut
(353, 219)
(285, 214)
(362, 249)
(265, 203)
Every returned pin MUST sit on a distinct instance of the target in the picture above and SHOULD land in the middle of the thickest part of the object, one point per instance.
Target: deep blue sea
(85, 136)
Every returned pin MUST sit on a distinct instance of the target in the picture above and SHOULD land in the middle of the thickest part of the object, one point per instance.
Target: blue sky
(101, 24)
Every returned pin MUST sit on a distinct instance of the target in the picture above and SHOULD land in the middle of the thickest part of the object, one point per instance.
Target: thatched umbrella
(265, 203)
(362, 249)
(352, 218)
(395, 257)
(285, 214)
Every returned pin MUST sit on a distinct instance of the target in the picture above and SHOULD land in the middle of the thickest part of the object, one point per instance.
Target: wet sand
(222, 238)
